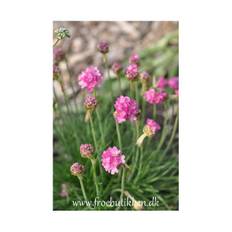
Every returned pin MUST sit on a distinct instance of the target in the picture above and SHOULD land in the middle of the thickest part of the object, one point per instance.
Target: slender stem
(93, 132)
(83, 188)
(94, 176)
(57, 40)
(137, 91)
(131, 89)
(119, 136)
(154, 111)
(70, 80)
(139, 163)
(173, 134)
(100, 127)
(119, 83)
(122, 184)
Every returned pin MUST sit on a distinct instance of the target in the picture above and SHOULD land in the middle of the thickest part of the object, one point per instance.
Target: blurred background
(156, 43)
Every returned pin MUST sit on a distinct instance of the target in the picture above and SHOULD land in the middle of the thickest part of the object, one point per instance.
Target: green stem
(93, 132)
(70, 80)
(154, 111)
(122, 184)
(137, 91)
(83, 188)
(100, 127)
(119, 136)
(94, 176)
(119, 83)
(57, 40)
(173, 134)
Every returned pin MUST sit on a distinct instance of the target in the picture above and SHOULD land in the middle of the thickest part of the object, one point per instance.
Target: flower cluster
(125, 109)
(154, 97)
(90, 78)
(112, 158)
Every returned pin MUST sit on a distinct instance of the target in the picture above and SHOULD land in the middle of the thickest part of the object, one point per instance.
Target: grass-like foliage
(151, 171)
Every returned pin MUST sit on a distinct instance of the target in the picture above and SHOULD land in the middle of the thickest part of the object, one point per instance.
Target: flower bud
(134, 59)
(117, 68)
(86, 150)
(103, 47)
(77, 169)
(132, 72)
(90, 102)
(56, 72)
(144, 76)
(58, 54)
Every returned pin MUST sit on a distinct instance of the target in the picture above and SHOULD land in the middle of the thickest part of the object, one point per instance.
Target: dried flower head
(125, 109)
(154, 97)
(112, 159)
(90, 78)
(132, 72)
(77, 169)
(62, 33)
(86, 150)
(134, 59)
(103, 47)
(117, 68)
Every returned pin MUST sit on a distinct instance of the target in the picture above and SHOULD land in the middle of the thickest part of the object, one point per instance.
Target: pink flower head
(134, 59)
(154, 97)
(174, 83)
(144, 76)
(132, 71)
(90, 102)
(77, 169)
(58, 54)
(112, 158)
(161, 83)
(153, 125)
(126, 109)
(86, 150)
(116, 67)
(103, 47)
(90, 78)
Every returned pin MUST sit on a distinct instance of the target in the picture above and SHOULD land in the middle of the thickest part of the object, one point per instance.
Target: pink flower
(112, 158)
(154, 97)
(174, 83)
(161, 83)
(86, 150)
(153, 125)
(77, 169)
(90, 78)
(132, 71)
(134, 59)
(126, 109)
